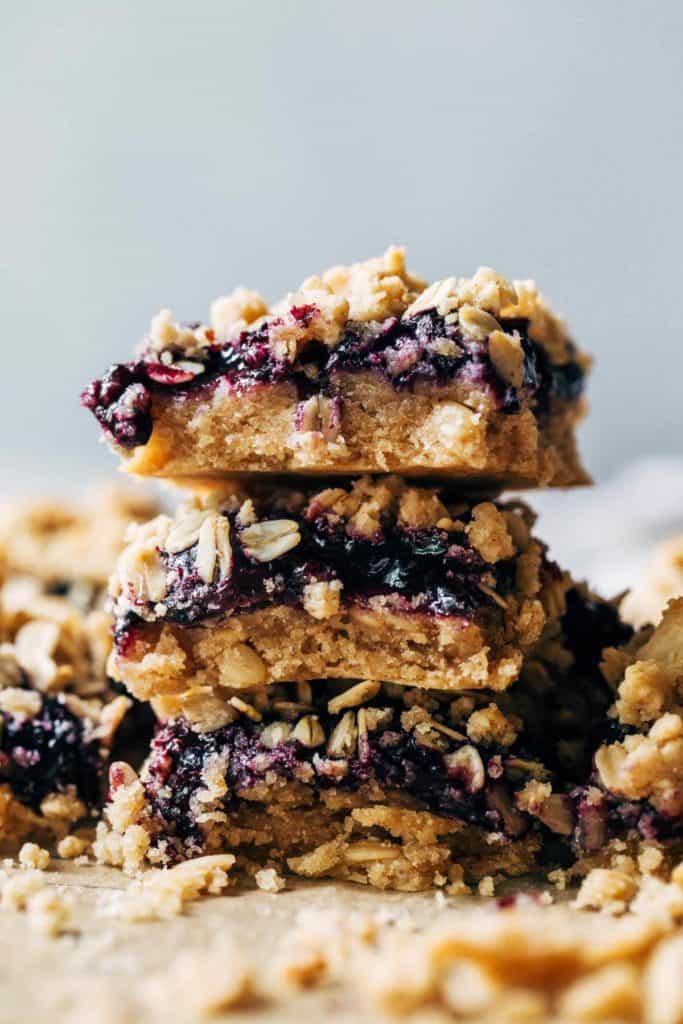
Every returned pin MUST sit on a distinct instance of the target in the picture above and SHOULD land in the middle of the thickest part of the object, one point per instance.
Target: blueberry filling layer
(411, 744)
(432, 571)
(455, 779)
(48, 753)
(403, 351)
(589, 626)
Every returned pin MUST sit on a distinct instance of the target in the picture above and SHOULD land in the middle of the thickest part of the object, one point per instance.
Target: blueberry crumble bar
(58, 718)
(68, 548)
(387, 784)
(632, 792)
(58, 557)
(359, 793)
(365, 369)
(375, 579)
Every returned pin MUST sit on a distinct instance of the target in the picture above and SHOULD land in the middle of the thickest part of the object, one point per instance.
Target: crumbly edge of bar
(50, 650)
(59, 812)
(647, 676)
(380, 430)
(49, 644)
(367, 836)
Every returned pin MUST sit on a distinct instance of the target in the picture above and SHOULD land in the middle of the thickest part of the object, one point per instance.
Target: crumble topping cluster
(647, 764)
(372, 291)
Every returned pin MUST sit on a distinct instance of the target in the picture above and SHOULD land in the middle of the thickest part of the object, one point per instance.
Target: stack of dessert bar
(363, 661)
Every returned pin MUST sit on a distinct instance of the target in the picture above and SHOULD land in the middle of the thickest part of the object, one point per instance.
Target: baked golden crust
(281, 643)
(432, 431)
(370, 837)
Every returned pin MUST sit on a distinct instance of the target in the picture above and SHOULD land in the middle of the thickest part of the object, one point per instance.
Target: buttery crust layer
(367, 837)
(281, 643)
(428, 431)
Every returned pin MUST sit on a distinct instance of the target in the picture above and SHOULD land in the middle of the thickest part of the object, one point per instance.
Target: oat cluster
(374, 290)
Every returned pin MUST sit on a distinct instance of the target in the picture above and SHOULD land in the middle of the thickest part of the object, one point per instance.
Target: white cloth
(606, 533)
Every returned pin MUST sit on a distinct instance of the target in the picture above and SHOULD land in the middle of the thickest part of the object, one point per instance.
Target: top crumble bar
(365, 369)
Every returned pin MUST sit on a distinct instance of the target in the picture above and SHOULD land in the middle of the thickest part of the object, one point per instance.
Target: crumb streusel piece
(376, 579)
(58, 557)
(365, 369)
(528, 964)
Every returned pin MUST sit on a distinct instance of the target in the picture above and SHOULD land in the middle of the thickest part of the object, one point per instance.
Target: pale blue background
(158, 152)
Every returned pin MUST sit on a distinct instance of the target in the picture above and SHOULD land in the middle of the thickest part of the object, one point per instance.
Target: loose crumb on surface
(49, 912)
(17, 889)
(33, 856)
(160, 894)
(213, 983)
(71, 847)
(486, 886)
(269, 880)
